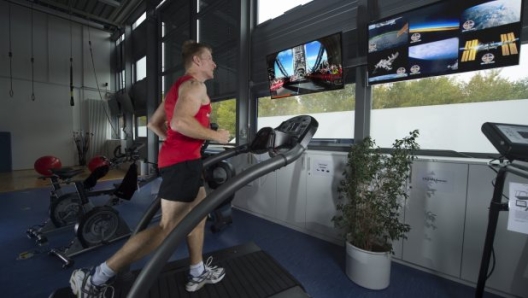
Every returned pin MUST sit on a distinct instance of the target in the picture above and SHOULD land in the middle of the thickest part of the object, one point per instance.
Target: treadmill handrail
(159, 259)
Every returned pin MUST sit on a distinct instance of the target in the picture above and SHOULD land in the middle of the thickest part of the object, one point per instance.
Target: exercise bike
(101, 225)
(63, 209)
(66, 208)
(98, 225)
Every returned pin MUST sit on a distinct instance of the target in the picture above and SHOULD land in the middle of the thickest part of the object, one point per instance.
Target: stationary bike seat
(66, 173)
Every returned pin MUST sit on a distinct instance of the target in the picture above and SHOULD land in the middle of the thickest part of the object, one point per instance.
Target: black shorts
(181, 181)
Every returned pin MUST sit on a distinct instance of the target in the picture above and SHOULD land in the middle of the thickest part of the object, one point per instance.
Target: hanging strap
(71, 59)
(11, 92)
(32, 60)
(71, 83)
(114, 130)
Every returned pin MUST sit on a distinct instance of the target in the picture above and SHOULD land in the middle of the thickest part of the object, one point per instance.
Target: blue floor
(317, 264)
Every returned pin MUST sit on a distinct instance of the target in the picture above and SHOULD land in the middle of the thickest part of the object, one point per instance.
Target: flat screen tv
(314, 66)
(444, 38)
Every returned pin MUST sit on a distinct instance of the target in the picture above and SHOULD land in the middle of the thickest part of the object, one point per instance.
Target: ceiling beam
(120, 14)
(111, 2)
(59, 14)
(66, 9)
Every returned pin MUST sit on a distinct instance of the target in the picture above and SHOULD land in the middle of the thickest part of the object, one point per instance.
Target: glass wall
(216, 25)
(176, 30)
(224, 114)
(334, 110)
(450, 110)
(141, 69)
(139, 21)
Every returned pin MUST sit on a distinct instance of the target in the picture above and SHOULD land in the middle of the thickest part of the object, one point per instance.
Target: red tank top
(177, 147)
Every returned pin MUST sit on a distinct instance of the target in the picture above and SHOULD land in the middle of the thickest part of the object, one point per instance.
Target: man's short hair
(192, 48)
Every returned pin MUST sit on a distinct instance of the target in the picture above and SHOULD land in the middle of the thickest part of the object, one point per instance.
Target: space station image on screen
(311, 67)
(444, 38)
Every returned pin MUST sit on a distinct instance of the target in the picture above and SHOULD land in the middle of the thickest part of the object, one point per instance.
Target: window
(120, 72)
(121, 80)
(141, 68)
(120, 39)
(450, 110)
(269, 9)
(160, 4)
(141, 124)
(217, 27)
(334, 110)
(122, 134)
(224, 114)
(203, 4)
(139, 20)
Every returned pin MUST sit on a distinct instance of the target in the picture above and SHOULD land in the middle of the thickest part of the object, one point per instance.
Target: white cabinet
(291, 193)
(258, 197)
(301, 195)
(324, 173)
(436, 211)
(511, 248)
(447, 211)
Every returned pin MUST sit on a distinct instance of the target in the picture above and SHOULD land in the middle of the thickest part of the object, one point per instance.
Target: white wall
(45, 126)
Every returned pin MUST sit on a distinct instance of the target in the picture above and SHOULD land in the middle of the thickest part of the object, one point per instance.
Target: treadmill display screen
(515, 134)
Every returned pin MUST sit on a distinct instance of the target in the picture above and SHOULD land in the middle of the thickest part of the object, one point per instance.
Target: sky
(269, 9)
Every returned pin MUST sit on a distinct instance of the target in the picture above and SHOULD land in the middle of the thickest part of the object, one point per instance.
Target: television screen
(444, 38)
(311, 67)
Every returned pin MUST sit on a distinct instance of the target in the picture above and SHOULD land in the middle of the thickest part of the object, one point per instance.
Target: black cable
(108, 118)
(11, 92)
(490, 165)
(32, 60)
(492, 264)
(71, 59)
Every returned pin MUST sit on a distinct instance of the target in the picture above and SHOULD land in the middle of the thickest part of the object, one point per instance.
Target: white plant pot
(370, 270)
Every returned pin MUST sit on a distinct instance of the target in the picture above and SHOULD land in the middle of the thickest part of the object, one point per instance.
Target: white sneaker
(211, 275)
(82, 287)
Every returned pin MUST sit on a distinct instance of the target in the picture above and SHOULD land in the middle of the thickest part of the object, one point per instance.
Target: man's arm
(157, 122)
(192, 95)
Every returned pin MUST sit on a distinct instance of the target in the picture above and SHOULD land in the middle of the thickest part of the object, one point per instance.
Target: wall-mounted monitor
(444, 38)
(314, 66)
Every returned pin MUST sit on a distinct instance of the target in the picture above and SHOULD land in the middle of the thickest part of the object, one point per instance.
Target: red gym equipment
(98, 161)
(44, 164)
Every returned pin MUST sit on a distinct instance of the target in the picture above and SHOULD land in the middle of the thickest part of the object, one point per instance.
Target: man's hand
(222, 136)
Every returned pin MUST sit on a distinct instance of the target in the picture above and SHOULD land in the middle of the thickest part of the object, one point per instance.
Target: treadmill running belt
(250, 273)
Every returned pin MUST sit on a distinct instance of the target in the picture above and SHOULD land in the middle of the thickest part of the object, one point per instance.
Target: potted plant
(371, 196)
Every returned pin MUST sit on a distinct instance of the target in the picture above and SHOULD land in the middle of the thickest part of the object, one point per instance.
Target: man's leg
(195, 239)
(86, 283)
(200, 273)
(147, 240)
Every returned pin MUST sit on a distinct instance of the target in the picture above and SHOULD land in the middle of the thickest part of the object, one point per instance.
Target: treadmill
(250, 272)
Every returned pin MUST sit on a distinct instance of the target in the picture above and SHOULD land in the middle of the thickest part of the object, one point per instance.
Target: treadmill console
(511, 140)
(296, 130)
